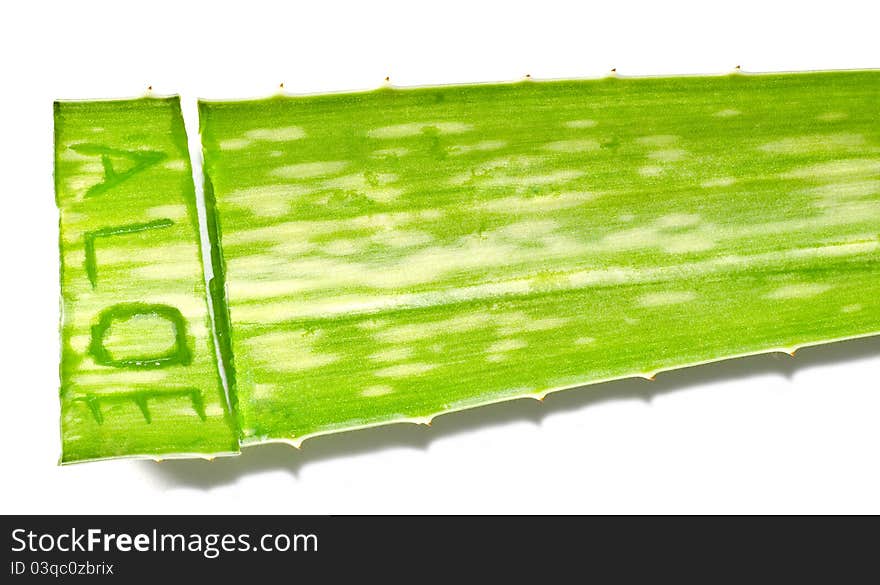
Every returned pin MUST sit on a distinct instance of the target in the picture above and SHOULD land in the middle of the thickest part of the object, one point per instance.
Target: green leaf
(139, 375)
(398, 254)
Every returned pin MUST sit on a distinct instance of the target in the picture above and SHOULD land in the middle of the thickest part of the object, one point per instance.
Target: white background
(763, 434)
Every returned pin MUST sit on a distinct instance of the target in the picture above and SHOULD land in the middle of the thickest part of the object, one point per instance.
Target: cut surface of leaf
(397, 254)
(138, 370)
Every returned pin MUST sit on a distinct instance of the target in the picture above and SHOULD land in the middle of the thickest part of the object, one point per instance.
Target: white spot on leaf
(580, 124)
(386, 152)
(799, 291)
(283, 134)
(677, 220)
(815, 143)
(586, 145)
(665, 298)
(667, 155)
(659, 299)
(718, 182)
(532, 180)
(378, 390)
(309, 170)
(418, 128)
(175, 165)
(288, 351)
(393, 354)
(650, 171)
(506, 345)
(484, 146)
(839, 168)
(234, 144)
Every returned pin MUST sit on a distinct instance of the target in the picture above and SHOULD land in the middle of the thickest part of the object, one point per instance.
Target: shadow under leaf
(279, 457)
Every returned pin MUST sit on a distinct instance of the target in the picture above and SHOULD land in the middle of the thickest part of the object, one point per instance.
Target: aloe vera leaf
(139, 375)
(397, 254)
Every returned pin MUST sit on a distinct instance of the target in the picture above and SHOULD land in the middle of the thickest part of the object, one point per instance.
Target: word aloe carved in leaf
(138, 369)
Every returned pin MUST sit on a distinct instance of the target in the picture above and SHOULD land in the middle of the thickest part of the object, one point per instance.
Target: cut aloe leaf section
(397, 254)
(138, 370)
